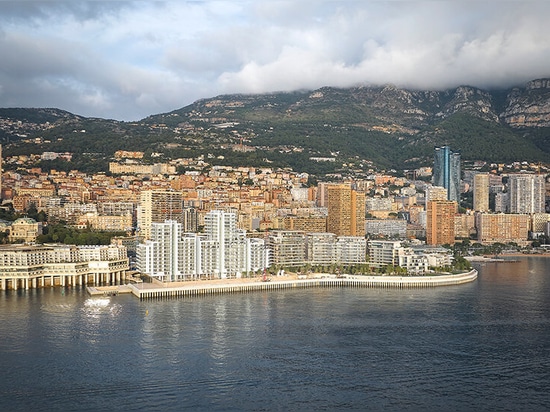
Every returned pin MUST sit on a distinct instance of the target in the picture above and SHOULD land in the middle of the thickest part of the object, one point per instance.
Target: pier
(193, 289)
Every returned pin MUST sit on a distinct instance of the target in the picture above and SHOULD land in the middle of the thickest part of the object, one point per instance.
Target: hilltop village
(226, 222)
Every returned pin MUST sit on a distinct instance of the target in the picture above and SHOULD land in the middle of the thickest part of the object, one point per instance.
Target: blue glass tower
(446, 172)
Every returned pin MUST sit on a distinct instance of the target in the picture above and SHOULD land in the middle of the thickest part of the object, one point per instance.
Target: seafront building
(223, 251)
(392, 253)
(26, 267)
(298, 248)
(287, 247)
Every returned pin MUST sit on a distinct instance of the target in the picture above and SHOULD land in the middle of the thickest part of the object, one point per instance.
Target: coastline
(211, 287)
(545, 255)
(504, 257)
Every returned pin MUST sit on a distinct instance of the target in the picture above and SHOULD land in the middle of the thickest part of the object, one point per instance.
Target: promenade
(159, 290)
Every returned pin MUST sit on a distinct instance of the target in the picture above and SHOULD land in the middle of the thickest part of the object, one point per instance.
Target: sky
(126, 60)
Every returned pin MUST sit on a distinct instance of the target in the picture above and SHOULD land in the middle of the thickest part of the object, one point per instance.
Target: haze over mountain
(328, 130)
(126, 60)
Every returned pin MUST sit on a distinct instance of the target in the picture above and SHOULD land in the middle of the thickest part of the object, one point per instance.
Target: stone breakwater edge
(160, 290)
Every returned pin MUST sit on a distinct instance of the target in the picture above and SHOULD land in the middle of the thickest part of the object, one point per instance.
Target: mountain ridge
(391, 126)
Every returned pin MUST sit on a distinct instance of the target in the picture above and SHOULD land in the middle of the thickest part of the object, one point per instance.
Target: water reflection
(480, 346)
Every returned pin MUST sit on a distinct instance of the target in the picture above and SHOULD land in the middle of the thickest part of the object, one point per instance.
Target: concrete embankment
(191, 289)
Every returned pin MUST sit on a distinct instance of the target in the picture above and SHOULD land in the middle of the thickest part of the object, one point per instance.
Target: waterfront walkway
(212, 287)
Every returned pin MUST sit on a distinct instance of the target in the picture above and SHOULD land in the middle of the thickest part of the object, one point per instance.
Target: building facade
(24, 230)
(29, 267)
(157, 206)
(446, 172)
(346, 211)
(440, 222)
(502, 228)
(527, 193)
(222, 252)
(481, 192)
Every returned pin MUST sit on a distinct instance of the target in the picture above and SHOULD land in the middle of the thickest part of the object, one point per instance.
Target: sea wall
(400, 282)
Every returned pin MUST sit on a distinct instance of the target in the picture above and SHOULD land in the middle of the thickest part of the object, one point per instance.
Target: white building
(412, 262)
(222, 252)
(230, 243)
(385, 253)
(527, 193)
(52, 265)
(386, 227)
(351, 250)
(296, 248)
(320, 248)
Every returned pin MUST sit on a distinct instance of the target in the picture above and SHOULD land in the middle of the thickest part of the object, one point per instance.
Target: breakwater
(401, 282)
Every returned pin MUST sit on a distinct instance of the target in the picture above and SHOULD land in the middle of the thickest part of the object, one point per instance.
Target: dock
(108, 290)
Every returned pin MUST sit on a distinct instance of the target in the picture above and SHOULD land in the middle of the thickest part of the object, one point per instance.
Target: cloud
(127, 60)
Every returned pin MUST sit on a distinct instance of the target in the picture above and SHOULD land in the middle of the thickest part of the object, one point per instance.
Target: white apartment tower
(159, 256)
(222, 252)
(527, 193)
(229, 253)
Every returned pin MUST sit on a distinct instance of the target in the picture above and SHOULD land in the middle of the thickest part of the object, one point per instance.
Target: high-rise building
(223, 252)
(346, 211)
(221, 229)
(502, 228)
(446, 172)
(527, 193)
(157, 206)
(166, 237)
(440, 222)
(481, 192)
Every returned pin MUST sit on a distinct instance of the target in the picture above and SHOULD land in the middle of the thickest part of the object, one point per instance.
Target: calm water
(481, 346)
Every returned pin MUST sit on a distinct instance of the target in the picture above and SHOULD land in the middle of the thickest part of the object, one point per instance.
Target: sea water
(484, 345)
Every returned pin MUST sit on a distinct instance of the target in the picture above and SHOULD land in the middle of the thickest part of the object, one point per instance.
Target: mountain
(322, 131)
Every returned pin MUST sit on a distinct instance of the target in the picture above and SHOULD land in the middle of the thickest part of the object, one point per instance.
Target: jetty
(108, 290)
(146, 291)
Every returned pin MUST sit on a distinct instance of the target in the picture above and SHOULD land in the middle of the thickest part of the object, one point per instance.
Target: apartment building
(223, 251)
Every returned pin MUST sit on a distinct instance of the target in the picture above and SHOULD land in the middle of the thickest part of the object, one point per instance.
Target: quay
(108, 290)
(486, 259)
(146, 291)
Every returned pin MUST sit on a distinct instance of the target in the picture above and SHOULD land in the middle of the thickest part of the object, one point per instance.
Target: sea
(481, 346)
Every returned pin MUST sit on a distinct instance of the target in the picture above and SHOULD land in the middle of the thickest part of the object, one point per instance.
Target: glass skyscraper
(446, 172)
